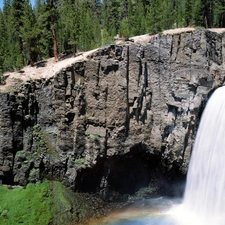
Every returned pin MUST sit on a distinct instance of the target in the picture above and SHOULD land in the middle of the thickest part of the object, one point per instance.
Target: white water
(204, 200)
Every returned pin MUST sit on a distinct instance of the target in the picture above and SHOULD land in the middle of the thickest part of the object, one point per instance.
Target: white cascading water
(204, 199)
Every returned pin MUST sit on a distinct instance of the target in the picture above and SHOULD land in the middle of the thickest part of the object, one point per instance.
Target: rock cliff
(122, 119)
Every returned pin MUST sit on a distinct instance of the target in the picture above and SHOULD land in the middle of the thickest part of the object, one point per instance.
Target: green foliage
(31, 205)
(106, 38)
(79, 86)
(188, 12)
(68, 206)
(199, 28)
(87, 133)
(3, 41)
(42, 142)
(20, 153)
(95, 137)
(197, 13)
(44, 203)
(29, 33)
(81, 163)
(111, 14)
(80, 25)
(154, 17)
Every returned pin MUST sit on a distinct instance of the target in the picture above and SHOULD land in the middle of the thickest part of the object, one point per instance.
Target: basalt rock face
(124, 118)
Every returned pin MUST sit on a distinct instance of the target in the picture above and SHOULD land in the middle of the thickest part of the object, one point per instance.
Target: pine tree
(219, 11)
(44, 29)
(3, 43)
(14, 57)
(69, 25)
(169, 14)
(90, 32)
(52, 9)
(112, 11)
(208, 7)
(44, 36)
(17, 12)
(198, 13)
(29, 33)
(154, 16)
(188, 12)
(137, 18)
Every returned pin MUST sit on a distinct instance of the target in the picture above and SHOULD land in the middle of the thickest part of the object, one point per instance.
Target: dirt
(43, 69)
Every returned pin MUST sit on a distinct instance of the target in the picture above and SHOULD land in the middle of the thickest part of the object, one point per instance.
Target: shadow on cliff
(122, 174)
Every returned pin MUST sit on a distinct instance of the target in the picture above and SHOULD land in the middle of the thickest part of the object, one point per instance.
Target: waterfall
(204, 197)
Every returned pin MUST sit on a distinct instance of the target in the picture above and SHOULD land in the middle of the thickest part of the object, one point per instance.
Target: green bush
(42, 142)
(95, 137)
(45, 203)
(26, 206)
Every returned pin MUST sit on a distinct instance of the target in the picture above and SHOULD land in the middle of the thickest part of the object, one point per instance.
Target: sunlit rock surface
(120, 120)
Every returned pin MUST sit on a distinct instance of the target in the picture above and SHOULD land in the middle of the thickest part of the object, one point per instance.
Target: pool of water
(157, 211)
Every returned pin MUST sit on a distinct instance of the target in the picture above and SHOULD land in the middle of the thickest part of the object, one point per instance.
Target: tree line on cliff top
(32, 33)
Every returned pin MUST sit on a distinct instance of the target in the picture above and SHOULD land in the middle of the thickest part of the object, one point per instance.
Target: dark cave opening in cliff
(123, 174)
(89, 179)
(132, 171)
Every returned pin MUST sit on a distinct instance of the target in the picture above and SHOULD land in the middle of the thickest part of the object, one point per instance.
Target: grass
(49, 202)
(61, 206)
(70, 207)
(25, 206)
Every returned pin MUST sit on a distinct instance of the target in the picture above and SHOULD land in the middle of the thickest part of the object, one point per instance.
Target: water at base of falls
(157, 211)
(145, 212)
(204, 199)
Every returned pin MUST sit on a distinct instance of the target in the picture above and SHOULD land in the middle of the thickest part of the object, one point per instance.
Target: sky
(1, 2)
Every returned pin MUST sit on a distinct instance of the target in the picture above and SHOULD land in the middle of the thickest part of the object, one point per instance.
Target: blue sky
(1, 2)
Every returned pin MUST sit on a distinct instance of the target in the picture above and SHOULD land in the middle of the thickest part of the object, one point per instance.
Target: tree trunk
(56, 55)
(74, 50)
(31, 57)
(21, 50)
(55, 49)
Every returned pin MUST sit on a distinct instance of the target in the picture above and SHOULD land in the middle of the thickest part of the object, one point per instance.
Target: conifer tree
(154, 16)
(188, 12)
(29, 33)
(46, 25)
(13, 59)
(52, 9)
(3, 43)
(137, 18)
(169, 14)
(198, 13)
(17, 13)
(219, 11)
(207, 11)
(90, 33)
(44, 35)
(69, 25)
(111, 16)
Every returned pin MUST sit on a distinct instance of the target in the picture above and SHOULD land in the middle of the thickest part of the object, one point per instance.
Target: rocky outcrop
(122, 119)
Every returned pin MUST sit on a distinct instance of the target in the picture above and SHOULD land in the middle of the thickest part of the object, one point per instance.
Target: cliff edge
(115, 119)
